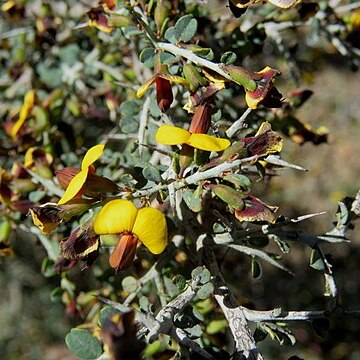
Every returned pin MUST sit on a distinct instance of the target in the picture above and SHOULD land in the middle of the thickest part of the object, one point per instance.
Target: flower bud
(124, 252)
(164, 95)
(201, 121)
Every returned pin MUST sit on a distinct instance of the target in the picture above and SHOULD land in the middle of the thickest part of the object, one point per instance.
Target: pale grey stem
(189, 55)
(245, 346)
(195, 178)
(165, 316)
(180, 336)
(283, 315)
(160, 289)
(238, 124)
(143, 124)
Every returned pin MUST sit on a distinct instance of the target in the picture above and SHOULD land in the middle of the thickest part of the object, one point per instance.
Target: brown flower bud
(201, 121)
(124, 252)
(164, 95)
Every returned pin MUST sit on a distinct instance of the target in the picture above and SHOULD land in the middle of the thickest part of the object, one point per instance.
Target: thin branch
(283, 315)
(195, 178)
(245, 346)
(189, 55)
(143, 124)
(238, 124)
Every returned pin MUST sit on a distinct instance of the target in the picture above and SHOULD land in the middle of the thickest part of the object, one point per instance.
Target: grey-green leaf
(129, 284)
(151, 173)
(147, 57)
(83, 344)
(185, 28)
(228, 58)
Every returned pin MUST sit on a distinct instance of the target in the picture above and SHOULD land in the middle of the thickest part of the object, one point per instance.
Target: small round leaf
(83, 344)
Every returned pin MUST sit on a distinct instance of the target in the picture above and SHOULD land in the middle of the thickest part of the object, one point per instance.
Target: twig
(195, 178)
(143, 124)
(283, 315)
(238, 124)
(189, 55)
(245, 346)
(180, 336)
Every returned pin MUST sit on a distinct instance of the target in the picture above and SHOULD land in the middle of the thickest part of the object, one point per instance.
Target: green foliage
(83, 344)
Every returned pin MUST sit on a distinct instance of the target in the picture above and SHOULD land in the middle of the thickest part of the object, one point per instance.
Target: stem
(238, 124)
(282, 315)
(195, 178)
(143, 124)
(216, 67)
(245, 345)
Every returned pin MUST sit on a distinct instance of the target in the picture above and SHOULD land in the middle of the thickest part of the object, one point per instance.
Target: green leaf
(129, 125)
(193, 198)
(83, 344)
(5, 229)
(205, 291)
(106, 313)
(151, 173)
(129, 284)
(129, 108)
(185, 28)
(144, 304)
(170, 35)
(238, 180)
(233, 197)
(179, 281)
(167, 58)
(153, 348)
(201, 275)
(228, 58)
(131, 31)
(216, 326)
(194, 332)
(316, 260)
(147, 57)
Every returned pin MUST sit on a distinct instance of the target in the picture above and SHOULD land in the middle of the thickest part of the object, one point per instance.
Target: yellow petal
(251, 102)
(115, 217)
(92, 155)
(25, 109)
(151, 229)
(142, 89)
(74, 186)
(208, 142)
(173, 78)
(171, 135)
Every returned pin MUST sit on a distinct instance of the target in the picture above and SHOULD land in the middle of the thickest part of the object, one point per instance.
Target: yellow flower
(79, 179)
(29, 101)
(148, 225)
(172, 135)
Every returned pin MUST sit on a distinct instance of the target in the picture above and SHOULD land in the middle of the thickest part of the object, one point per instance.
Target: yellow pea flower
(172, 135)
(147, 225)
(79, 179)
